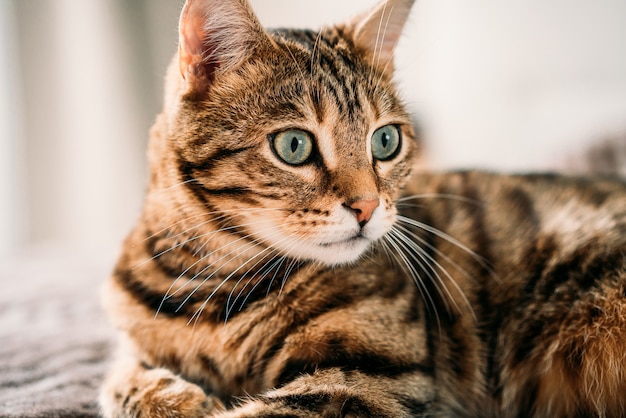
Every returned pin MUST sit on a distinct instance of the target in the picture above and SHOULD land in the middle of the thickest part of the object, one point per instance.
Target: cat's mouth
(350, 240)
(341, 250)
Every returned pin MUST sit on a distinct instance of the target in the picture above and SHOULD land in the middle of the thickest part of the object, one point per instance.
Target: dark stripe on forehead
(338, 67)
(337, 99)
(306, 38)
(318, 104)
(344, 93)
(347, 83)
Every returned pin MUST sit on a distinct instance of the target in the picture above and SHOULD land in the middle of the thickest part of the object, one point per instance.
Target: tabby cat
(285, 266)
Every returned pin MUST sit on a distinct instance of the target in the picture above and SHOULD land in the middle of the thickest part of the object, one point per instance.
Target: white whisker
(441, 196)
(276, 261)
(292, 264)
(383, 71)
(410, 270)
(424, 255)
(378, 40)
(197, 313)
(480, 260)
(412, 252)
(295, 61)
(196, 237)
(440, 253)
(315, 50)
(169, 294)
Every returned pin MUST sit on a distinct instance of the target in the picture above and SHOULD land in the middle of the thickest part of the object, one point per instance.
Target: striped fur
(255, 288)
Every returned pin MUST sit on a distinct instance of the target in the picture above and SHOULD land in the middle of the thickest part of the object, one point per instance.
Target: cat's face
(302, 147)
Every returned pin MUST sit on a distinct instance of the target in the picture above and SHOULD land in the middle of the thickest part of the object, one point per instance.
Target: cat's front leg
(133, 390)
(335, 392)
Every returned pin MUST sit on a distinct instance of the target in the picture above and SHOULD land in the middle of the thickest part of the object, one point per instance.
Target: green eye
(293, 146)
(386, 142)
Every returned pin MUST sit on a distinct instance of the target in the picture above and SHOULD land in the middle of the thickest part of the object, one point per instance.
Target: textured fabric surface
(54, 337)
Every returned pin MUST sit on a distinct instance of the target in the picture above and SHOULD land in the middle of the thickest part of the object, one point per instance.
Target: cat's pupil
(385, 139)
(294, 144)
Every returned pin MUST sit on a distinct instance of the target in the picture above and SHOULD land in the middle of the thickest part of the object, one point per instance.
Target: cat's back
(525, 225)
(570, 207)
(542, 260)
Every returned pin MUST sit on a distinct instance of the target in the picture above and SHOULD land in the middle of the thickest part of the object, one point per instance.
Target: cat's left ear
(377, 32)
(216, 36)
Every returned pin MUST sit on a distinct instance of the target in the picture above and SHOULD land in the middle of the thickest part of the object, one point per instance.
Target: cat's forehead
(326, 51)
(335, 76)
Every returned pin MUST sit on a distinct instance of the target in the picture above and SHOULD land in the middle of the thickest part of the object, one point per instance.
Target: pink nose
(363, 209)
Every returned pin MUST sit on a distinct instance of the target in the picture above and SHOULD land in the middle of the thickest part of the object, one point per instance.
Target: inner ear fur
(216, 36)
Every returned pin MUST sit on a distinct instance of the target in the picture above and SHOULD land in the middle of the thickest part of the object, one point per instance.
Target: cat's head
(295, 140)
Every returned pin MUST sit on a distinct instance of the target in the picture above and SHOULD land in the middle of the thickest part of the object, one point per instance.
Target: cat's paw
(156, 393)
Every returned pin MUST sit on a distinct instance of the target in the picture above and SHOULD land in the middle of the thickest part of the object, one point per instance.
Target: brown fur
(255, 287)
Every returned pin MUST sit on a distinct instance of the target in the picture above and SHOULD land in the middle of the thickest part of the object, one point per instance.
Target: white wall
(76, 156)
(11, 177)
(516, 84)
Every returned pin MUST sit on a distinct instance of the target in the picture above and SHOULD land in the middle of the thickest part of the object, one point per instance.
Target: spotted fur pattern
(253, 286)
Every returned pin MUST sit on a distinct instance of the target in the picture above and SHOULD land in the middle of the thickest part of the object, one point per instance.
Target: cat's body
(270, 274)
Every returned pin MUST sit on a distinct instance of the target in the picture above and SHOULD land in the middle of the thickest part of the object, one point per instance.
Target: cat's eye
(293, 146)
(386, 142)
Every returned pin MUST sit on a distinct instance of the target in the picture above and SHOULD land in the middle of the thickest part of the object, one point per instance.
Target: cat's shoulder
(596, 188)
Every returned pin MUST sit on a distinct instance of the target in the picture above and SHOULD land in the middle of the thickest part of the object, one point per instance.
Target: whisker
(201, 259)
(295, 61)
(378, 40)
(292, 264)
(414, 254)
(249, 245)
(253, 243)
(382, 44)
(269, 286)
(429, 258)
(196, 237)
(198, 312)
(409, 269)
(276, 261)
(169, 294)
(441, 196)
(436, 250)
(315, 50)
(480, 260)
(229, 306)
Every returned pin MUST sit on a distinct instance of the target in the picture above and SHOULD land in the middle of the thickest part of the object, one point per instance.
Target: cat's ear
(377, 32)
(216, 36)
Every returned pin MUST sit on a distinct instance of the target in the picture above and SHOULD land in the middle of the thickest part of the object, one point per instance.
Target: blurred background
(511, 85)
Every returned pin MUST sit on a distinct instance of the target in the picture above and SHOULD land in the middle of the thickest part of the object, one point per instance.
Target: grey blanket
(54, 338)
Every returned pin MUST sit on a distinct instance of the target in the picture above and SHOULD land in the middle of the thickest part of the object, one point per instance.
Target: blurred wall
(85, 78)
(516, 84)
(11, 182)
(509, 85)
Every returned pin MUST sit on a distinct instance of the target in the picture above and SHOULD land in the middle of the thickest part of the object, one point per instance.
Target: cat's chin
(335, 253)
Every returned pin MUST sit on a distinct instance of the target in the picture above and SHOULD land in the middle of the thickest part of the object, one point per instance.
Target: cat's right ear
(377, 32)
(214, 37)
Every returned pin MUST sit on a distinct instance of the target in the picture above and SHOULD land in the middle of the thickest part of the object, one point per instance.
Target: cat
(288, 263)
